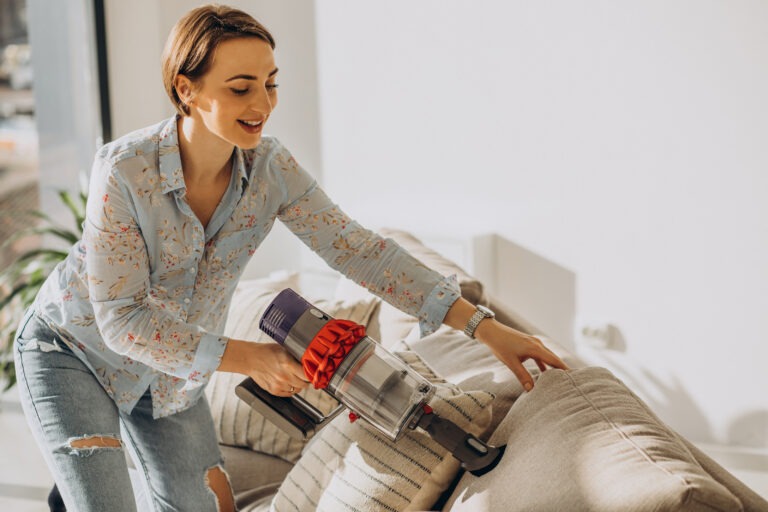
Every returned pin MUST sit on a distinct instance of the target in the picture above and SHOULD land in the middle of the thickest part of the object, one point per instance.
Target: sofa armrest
(751, 501)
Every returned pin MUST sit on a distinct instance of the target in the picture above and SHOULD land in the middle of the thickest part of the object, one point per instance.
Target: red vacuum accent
(328, 349)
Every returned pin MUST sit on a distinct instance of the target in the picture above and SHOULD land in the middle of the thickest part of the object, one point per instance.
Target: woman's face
(234, 99)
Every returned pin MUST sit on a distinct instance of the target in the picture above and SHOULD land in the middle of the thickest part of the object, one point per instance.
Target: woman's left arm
(510, 346)
(388, 271)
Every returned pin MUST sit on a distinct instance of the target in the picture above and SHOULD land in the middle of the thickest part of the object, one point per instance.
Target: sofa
(580, 440)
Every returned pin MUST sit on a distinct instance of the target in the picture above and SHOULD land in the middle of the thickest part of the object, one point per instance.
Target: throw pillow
(468, 364)
(237, 424)
(581, 440)
(351, 466)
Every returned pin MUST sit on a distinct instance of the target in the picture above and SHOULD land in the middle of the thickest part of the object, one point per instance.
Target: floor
(24, 477)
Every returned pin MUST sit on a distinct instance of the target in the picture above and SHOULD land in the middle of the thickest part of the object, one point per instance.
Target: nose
(262, 103)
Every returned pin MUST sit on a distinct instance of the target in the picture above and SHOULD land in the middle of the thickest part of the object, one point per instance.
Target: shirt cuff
(437, 304)
(207, 359)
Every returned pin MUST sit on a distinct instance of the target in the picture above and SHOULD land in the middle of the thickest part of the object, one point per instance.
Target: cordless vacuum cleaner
(361, 375)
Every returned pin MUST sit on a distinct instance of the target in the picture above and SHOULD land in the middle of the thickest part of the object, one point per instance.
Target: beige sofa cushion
(469, 364)
(351, 466)
(581, 440)
(237, 424)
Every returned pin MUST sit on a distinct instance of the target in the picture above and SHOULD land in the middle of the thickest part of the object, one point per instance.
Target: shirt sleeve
(132, 320)
(378, 264)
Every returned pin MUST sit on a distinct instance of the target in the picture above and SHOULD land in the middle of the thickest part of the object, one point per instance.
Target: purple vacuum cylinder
(282, 313)
(292, 322)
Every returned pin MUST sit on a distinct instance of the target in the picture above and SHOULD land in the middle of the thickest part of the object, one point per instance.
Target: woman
(125, 334)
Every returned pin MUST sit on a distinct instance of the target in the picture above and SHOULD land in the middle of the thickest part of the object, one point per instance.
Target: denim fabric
(64, 402)
(143, 297)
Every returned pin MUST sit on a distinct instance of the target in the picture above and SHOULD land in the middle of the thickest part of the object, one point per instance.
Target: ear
(185, 89)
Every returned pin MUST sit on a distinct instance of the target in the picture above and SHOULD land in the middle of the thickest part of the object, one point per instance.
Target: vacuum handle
(293, 415)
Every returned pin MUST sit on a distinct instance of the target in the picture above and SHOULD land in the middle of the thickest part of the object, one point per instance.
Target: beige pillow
(581, 440)
(237, 424)
(351, 466)
(468, 364)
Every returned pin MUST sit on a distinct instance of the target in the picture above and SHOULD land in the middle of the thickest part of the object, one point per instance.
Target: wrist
(235, 358)
(481, 314)
(486, 328)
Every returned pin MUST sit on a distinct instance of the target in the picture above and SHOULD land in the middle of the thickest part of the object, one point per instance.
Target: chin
(251, 144)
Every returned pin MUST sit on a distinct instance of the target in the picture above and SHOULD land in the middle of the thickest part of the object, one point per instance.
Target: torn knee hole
(96, 442)
(217, 481)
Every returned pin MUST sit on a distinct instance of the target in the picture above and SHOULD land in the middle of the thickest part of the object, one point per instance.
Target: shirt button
(186, 300)
(191, 271)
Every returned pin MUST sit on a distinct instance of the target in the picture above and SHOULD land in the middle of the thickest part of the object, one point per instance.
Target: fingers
(522, 374)
(551, 359)
(279, 373)
(292, 381)
(546, 356)
(286, 387)
(543, 358)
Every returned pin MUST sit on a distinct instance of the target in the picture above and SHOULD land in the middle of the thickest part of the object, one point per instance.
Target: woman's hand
(513, 348)
(268, 364)
(510, 346)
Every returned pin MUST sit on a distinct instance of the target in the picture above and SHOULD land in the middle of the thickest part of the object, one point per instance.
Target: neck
(204, 156)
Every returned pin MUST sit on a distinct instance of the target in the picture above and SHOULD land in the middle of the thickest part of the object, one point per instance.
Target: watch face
(487, 312)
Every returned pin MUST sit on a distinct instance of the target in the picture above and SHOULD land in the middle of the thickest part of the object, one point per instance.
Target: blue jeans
(83, 434)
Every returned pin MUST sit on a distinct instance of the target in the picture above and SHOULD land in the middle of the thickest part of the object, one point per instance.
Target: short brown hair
(193, 40)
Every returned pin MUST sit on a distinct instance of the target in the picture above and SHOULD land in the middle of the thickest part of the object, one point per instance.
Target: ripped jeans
(82, 435)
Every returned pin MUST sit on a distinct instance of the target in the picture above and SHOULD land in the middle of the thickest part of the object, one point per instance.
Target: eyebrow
(250, 77)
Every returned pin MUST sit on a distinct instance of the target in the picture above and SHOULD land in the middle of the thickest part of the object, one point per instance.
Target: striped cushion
(351, 466)
(236, 423)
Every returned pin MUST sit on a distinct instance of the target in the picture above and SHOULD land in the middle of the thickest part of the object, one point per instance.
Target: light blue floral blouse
(143, 297)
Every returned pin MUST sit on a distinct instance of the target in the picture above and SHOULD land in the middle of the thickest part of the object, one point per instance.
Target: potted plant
(21, 280)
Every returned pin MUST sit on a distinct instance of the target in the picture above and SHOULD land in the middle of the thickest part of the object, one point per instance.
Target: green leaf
(77, 210)
(27, 273)
(8, 371)
(64, 234)
(8, 298)
(30, 261)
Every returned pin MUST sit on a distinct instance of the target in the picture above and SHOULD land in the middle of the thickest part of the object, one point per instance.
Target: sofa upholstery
(581, 440)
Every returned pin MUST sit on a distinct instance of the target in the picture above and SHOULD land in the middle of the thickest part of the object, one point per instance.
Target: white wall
(625, 141)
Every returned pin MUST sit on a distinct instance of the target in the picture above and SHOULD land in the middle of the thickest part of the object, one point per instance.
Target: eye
(240, 92)
(272, 87)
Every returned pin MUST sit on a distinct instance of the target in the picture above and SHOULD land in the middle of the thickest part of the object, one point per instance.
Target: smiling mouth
(252, 124)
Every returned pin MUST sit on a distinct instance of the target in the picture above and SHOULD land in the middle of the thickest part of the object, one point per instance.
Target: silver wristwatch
(481, 313)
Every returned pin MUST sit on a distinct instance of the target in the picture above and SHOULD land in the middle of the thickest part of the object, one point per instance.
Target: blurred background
(623, 143)
(18, 133)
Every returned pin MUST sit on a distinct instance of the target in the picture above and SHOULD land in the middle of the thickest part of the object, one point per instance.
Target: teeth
(251, 123)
